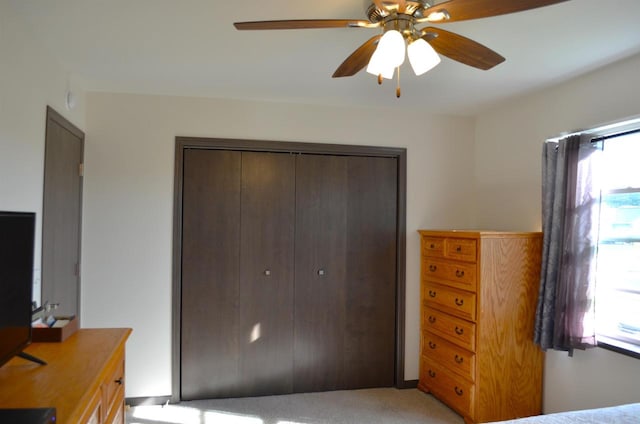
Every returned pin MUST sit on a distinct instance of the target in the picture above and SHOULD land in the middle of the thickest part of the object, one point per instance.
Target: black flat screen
(17, 231)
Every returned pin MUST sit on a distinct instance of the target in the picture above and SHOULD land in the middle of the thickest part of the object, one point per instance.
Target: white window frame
(615, 340)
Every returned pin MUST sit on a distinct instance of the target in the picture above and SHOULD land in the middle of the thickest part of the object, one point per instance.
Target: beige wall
(508, 173)
(129, 186)
(129, 199)
(30, 79)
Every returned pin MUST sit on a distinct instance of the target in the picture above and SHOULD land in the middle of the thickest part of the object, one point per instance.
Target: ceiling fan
(383, 53)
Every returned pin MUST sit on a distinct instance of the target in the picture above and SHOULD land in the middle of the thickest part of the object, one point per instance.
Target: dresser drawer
(447, 299)
(454, 391)
(94, 412)
(433, 246)
(114, 381)
(456, 274)
(456, 330)
(453, 357)
(115, 414)
(460, 249)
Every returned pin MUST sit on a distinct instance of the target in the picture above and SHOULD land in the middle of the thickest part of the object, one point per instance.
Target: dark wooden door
(371, 272)
(62, 214)
(266, 273)
(288, 273)
(210, 273)
(237, 278)
(320, 272)
(345, 285)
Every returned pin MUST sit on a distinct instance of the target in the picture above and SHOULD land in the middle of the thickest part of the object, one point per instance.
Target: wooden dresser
(478, 300)
(83, 378)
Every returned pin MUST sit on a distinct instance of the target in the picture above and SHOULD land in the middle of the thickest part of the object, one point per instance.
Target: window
(617, 305)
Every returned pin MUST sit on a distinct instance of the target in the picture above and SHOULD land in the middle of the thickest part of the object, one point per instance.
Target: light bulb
(378, 66)
(392, 48)
(422, 56)
(388, 55)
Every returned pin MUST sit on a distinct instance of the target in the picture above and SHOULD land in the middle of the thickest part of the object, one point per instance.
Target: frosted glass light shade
(389, 55)
(422, 56)
(377, 66)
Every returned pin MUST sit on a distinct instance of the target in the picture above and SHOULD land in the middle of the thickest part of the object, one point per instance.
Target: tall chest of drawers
(478, 299)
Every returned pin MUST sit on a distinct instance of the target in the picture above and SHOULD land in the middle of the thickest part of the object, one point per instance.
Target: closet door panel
(210, 273)
(266, 273)
(371, 272)
(320, 269)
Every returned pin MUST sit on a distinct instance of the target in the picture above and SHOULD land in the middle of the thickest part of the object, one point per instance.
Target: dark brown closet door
(288, 273)
(370, 272)
(266, 274)
(210, 273)
(237, 279)
(345, 283)
(320, 270)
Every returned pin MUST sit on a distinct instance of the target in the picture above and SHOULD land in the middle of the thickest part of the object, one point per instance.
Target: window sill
(619, 347)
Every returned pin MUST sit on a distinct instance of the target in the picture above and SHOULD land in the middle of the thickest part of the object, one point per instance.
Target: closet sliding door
(237, 274)
(345, 278)
(371, 270)
(210, 273)
(288, 272)
(320, 291)
(266, 273)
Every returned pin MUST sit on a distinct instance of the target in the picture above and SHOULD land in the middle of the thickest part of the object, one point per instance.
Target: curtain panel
(565, 317)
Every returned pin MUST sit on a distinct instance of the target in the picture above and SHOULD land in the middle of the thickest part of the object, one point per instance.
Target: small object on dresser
(62, 328)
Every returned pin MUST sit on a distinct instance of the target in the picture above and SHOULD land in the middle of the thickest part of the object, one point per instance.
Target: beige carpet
(370, 406)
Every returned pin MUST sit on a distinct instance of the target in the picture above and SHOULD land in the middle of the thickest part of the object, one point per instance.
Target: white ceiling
(190, 47)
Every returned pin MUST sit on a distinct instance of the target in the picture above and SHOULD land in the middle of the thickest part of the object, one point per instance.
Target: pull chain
(398, 92)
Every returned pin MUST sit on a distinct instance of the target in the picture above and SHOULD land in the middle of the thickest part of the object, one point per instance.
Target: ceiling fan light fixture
(392, 48)
(389, 55)
(379, 67)
(422, 56)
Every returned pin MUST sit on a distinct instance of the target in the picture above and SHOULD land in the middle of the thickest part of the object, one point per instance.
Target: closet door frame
(400, 154)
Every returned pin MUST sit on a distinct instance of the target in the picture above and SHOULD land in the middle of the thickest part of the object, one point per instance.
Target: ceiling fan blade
(461, 10)
(461, 49)
(304, 24)
(358, 59)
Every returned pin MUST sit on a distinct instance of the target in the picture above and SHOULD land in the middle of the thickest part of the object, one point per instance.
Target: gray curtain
(570, 205)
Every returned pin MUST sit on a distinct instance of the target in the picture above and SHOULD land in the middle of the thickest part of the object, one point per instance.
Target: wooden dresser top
(74, 371)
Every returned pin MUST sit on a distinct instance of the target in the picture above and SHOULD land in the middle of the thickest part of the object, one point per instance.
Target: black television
(17, 238)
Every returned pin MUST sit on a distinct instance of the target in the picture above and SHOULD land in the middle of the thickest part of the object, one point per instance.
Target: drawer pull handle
(432, 246)
(459, 249)
(432, 293)
(459, 331)
(433, 268)
(432, 319)
(459, 273)
(119, 381)
(459, 359)
(432, 374)
(459, 302)
(459, 391)
(432, 345)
